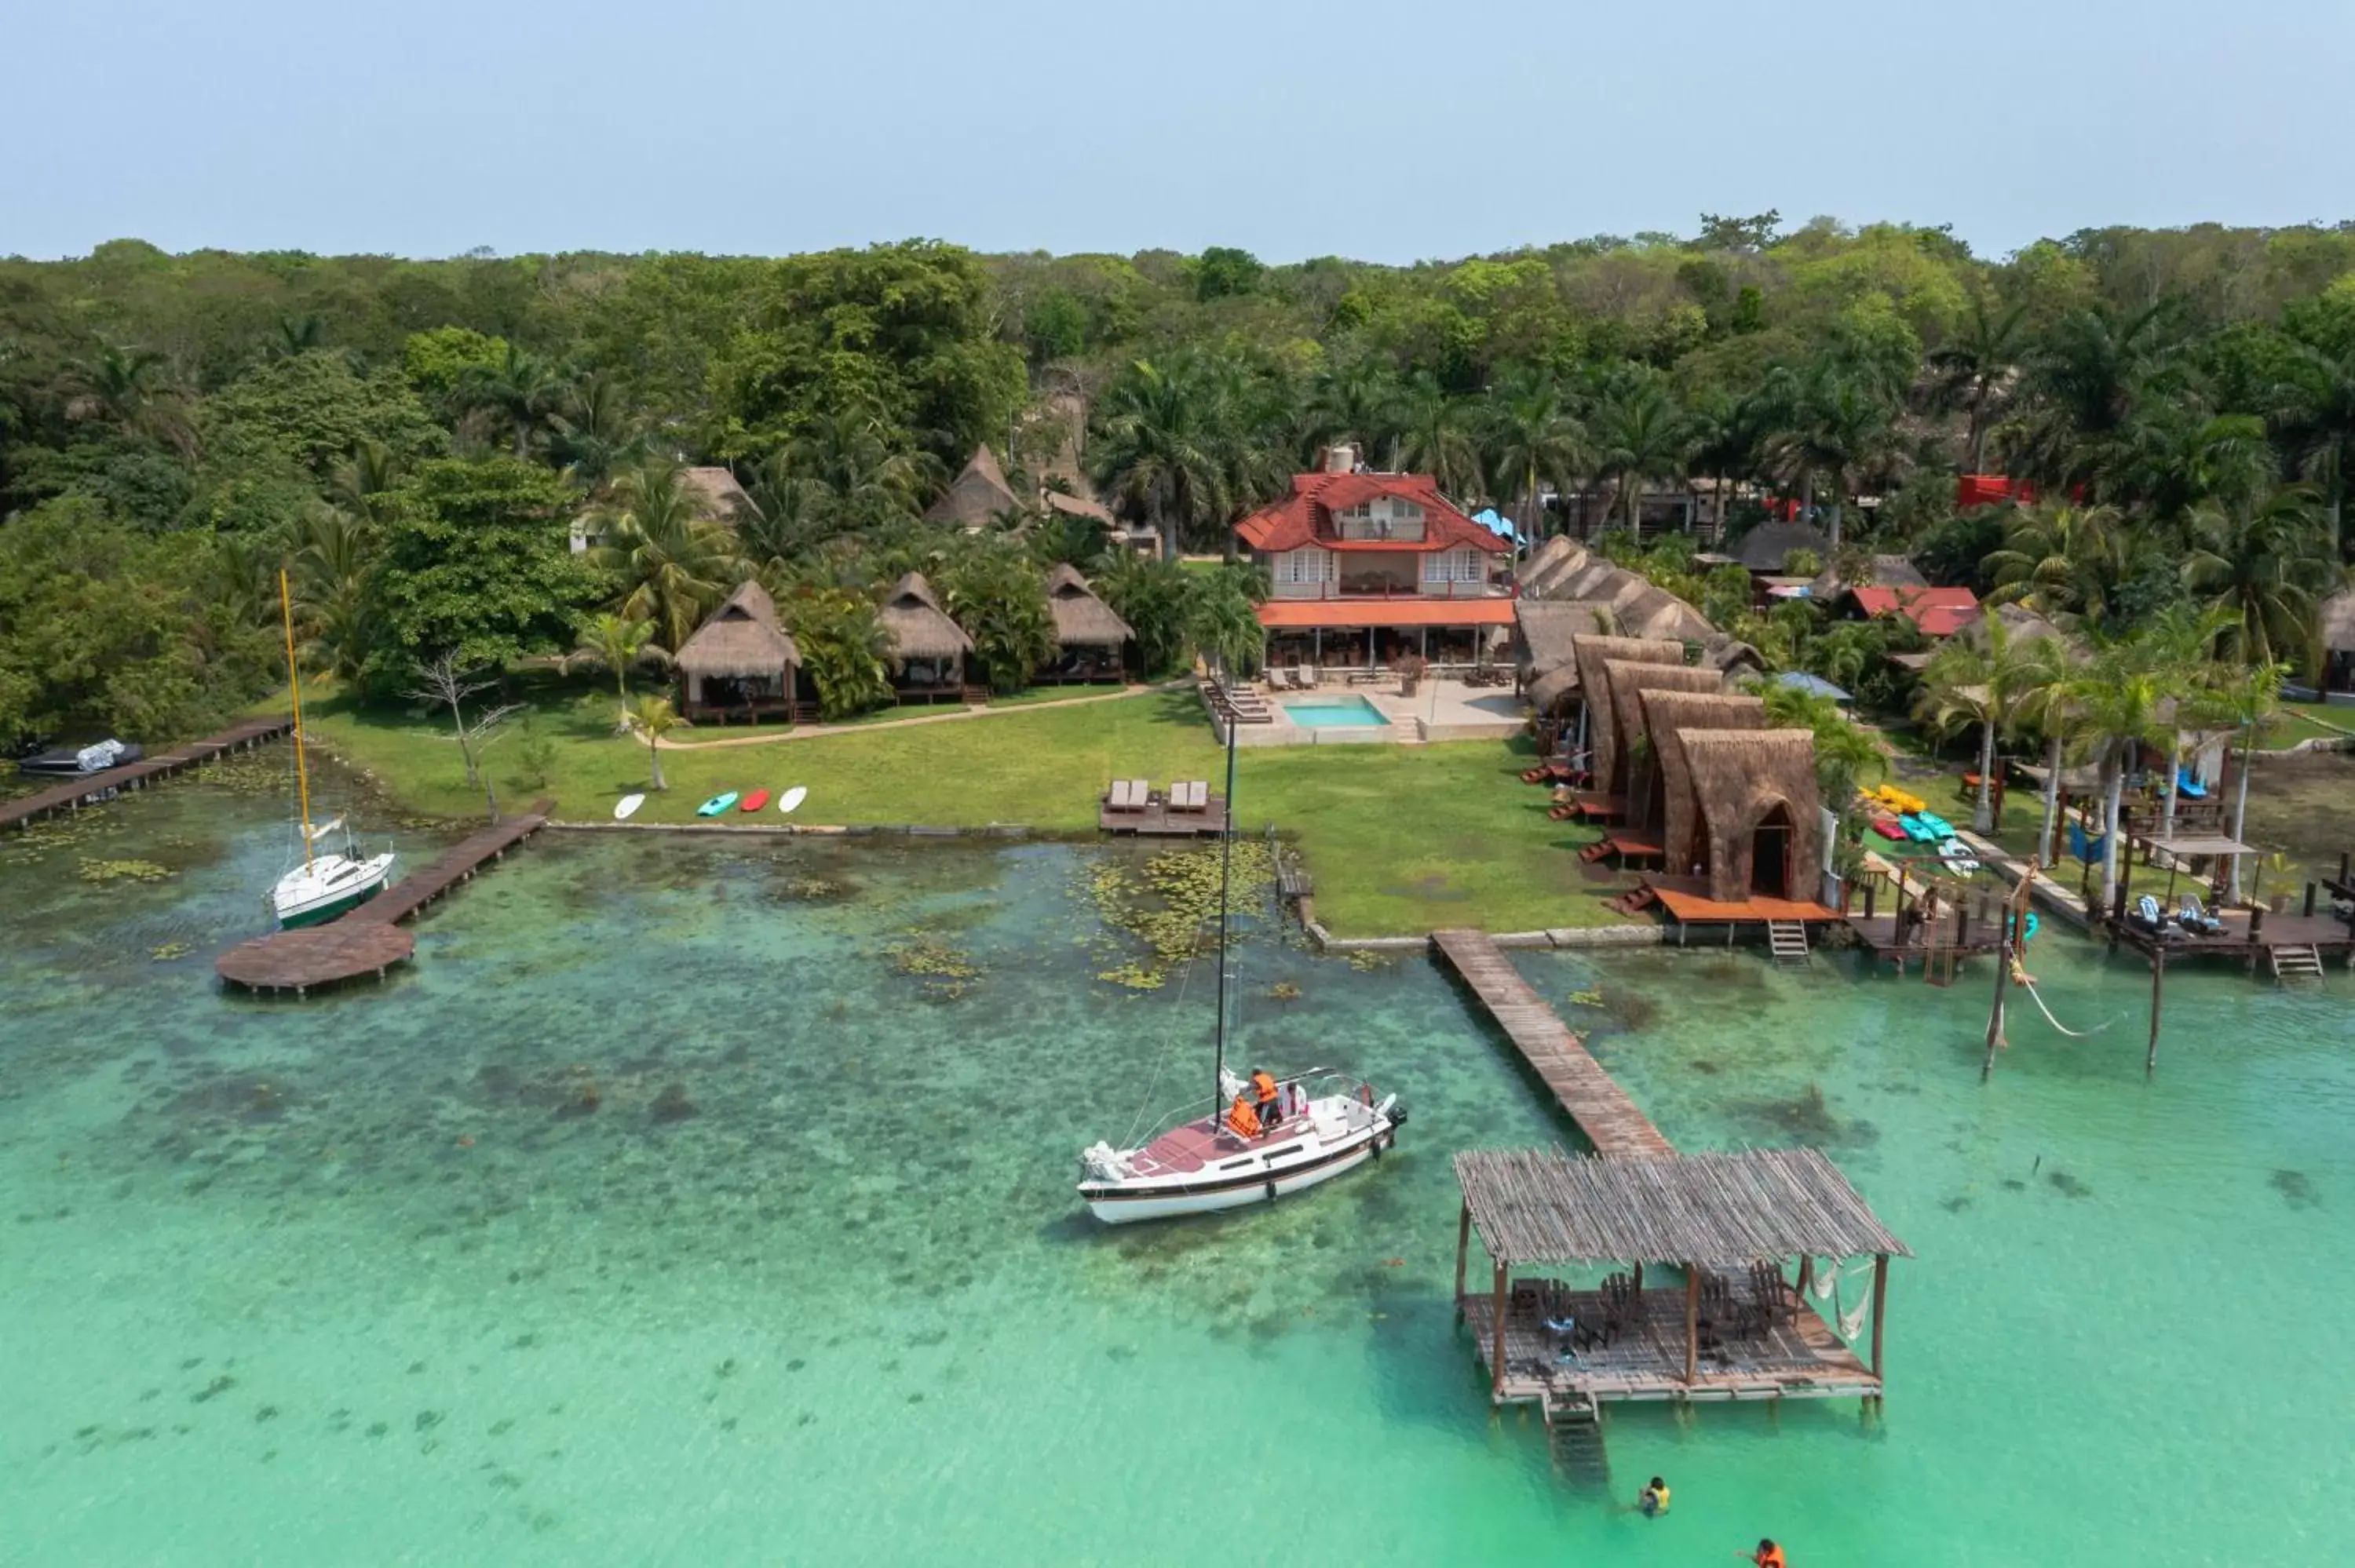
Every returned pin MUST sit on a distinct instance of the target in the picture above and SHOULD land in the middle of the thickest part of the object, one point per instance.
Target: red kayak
(755, 801)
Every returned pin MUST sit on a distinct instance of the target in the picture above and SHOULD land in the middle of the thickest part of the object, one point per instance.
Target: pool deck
(1440, 710)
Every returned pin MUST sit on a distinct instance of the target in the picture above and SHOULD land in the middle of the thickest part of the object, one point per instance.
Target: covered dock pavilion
(1733, 1325)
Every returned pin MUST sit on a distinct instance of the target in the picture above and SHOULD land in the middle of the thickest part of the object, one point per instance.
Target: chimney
(1342, 459)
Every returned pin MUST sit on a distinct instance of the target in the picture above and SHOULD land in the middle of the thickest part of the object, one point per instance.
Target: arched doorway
(1770, 852)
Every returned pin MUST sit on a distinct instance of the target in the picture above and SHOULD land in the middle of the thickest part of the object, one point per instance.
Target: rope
(1169, 1046)
(2030, 986)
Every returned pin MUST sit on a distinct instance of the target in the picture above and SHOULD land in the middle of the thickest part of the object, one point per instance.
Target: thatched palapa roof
(1627, 681)
(1667, 715)
(919, 627)
(1081, 619)
(1740, 777)
(1765, 547)
(1716, 1210)
(978, 494)
(740, 639)
(1885, 571)
(1602, 730)
(717, 493)
(1544, 630)
(2338, 622)
(1077, 506)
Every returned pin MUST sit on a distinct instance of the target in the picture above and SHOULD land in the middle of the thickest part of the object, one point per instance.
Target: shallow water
(658, 1213)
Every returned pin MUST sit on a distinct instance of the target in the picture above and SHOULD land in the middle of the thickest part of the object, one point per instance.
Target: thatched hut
(1670, 802)
(1767, 548)
(1761, 820)
(1880, 571)
(1545, 632)
(1602, 733)
(1089, 635)
(977, 496)
(717, 493)
(1627, 681)
(740, 663)
(928, 649)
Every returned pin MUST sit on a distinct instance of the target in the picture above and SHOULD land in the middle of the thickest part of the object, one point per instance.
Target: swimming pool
(1328, 712)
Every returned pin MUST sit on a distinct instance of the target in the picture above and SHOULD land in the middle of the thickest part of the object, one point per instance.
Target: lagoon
(369, 1278)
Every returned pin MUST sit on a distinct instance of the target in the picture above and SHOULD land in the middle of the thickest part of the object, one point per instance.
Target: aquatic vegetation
(1366, 960)
(124, 871)
(1284, 990)
(1590, 997)
(1172, 905)
(946, 971)
(164, 952)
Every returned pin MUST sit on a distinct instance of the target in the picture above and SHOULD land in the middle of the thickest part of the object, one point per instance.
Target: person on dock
(1768, 1555)
(1655, 1499)
(1242, 1119)
(1270, 1109)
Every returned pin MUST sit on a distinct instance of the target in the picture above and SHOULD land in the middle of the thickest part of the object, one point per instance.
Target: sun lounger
(1118, 800)
(2194, 917)
(2149, 914)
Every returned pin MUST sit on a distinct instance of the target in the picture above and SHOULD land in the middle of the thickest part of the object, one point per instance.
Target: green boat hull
(321, 914)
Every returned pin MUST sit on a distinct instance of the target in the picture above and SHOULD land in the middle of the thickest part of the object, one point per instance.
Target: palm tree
(1978, 367)
(1221, 614)
(2084, 383)
(2245, 697)
(1971, 683)
(844, 647)
(2314, 416)
(616, 643)
(1159, 450)
(365, 483)
(2127, 689)
(132, 389)
(2268, 564)
(1532, 439)
(674, 563)
(2046, 704)
(1835, 426)
(653, 717)
(2060, 560)
(861, 456)
(1639, 435)
(1432, 437)
(1356, 402)
(595, 430)
(334, 554)
(521, 394)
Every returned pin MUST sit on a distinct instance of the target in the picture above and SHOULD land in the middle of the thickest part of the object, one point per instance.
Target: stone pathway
(819, 731)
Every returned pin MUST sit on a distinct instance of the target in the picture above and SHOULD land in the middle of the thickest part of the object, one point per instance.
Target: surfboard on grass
(754, 801)
(626, 805)
(716, 804)
(791, 798)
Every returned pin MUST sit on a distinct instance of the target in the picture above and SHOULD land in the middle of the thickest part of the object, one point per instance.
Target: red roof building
(1939, 613)
(1363, 567)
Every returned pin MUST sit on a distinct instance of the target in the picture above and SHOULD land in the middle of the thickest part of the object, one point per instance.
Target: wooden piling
(1496, 1357)
(1463, 1254)
(1879, 1304)
(1692, 1323)
(2157, 977)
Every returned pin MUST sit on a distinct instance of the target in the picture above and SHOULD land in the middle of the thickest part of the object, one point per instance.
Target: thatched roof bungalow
(1670, 802)
(977, 496)
(740, 662)
(718, 494)
(1601, 732)
(928, 649)
(1089, 634)
(1545, 633)
(1627, 681)
(1761, 820)
(1766, 548)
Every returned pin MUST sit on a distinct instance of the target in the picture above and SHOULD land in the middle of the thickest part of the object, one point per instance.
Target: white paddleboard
(627, 804)
(791, 798)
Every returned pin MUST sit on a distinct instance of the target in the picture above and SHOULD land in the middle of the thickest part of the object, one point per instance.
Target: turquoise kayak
(716, 804)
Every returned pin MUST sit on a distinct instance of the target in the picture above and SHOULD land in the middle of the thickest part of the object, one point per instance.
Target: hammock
(2087, 850)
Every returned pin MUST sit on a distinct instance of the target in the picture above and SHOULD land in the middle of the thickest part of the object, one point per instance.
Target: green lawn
(2298, 723)
(1400, 838)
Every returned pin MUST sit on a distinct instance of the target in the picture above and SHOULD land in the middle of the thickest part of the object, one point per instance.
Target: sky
(1378, 131)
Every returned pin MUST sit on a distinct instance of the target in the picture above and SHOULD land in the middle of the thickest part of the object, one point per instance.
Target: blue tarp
(1814, 685)
(1502, 526)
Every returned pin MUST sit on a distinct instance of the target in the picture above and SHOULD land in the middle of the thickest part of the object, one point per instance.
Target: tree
(1221, 616)
(671, 562)
(616, 643)
(653, 717)
(333, 556)
(596, 431)
(2245, 698)
(1974, 682)
(1433, 436)
(999, 597)
(1977, 368)
(2047, 705)
(134, 390)
(2126, 690)
(475, 563)
(844, 647)
(2268, 564)
(2313, 410)
(1834, 426)
(1532, 441)
(1639, 435)
(520, 395)
(2061, 560)
(444, 679)
(1161, 450)
(1151, 597)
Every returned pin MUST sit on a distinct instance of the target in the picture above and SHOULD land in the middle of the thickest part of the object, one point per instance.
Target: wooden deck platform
(367, 940)
(1798, 1357)
(1687, 900)
(1598, 807)
(1158, 821)
(2327, 934)
(1877, 933)
(95, 787)
(1602, 1109)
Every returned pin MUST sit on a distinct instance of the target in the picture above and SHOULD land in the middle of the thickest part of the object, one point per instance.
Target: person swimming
(1655, 1500)
(1768, 1555)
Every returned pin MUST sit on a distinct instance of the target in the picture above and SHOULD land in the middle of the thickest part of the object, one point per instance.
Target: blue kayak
(1939, 828)
(1917, 829)
(716, 804)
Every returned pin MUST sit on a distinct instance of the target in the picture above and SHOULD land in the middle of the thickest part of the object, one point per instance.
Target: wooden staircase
(1787, 940)
(2296, 962)
(1574, 1433)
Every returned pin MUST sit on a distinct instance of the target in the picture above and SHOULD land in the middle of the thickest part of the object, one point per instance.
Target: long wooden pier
(1602, 1109)
(92, 788)
(368, 939)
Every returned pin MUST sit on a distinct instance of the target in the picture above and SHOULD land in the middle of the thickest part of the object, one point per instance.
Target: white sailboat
(329, 880)
(1329, 1124)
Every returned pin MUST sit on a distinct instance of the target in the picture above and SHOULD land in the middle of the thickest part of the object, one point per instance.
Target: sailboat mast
(1226, 866)
(295, 680)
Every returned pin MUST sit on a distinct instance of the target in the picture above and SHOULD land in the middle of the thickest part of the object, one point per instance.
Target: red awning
(1301, 614)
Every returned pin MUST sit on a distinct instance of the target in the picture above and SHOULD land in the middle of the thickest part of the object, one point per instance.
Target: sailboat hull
(1287, 1161)
(337, 887)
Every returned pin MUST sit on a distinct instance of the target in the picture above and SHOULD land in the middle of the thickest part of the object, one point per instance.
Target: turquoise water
(1326, 713)
(369, 1279)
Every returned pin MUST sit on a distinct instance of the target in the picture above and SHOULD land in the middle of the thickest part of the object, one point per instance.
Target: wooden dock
(1602, 1109)
(368, 940)
(1158, 821)
(94, 789)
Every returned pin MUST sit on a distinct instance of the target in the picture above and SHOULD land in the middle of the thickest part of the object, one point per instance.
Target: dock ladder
(1787, 940)
(2299, 961)
(1574, 1433)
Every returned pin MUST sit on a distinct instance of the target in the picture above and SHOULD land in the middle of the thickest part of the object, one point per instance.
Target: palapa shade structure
(1667, 715)
(740, 658)
(1602, 733)
(1716, 1210)
(1081, 619)
(717, 493)
(1751, 784)
(978, 494)
(1544, 653)
(922, 635)
(1627, 680)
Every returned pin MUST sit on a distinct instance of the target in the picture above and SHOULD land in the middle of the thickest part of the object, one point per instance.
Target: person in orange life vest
(1243, 1119)
(1768, 1555)
(1271, 1110)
